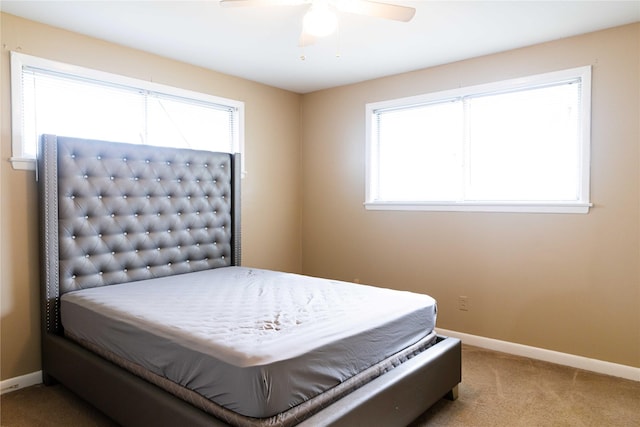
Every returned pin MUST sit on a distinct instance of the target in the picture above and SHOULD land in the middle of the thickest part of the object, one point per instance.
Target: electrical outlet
(463, 303)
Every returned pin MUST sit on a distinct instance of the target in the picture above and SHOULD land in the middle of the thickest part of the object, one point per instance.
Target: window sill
(23, 163)
(515, 207)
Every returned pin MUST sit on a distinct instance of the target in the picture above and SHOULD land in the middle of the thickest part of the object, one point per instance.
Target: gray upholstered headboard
(115, 213)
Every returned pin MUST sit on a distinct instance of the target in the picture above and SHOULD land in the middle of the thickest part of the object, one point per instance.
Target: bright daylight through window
(514, 146)
(55, 98)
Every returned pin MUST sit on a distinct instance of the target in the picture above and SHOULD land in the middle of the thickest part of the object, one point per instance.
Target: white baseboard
(13, 384)
(593, 365)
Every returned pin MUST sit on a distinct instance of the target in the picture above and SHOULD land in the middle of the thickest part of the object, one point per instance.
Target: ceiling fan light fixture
(319, 21)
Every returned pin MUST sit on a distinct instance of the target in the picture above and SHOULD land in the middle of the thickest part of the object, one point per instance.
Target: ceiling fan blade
(259, 3)
(306, 39)
(376, 9)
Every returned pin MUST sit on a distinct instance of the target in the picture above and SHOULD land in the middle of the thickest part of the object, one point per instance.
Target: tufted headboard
(113, 213)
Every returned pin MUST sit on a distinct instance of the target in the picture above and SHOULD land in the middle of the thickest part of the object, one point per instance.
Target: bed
(149, 315)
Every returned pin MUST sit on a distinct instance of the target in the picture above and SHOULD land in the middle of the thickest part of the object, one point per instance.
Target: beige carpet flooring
(497, 390)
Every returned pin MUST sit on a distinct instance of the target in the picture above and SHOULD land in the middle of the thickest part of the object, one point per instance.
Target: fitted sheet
(256, 342)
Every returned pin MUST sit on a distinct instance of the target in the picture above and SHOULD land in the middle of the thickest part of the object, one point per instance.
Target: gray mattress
(255, 342)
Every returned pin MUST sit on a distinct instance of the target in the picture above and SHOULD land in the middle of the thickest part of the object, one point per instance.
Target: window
(514, 146)
(61, 99)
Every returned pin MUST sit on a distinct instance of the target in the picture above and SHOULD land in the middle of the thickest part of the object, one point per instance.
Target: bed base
(393, 399)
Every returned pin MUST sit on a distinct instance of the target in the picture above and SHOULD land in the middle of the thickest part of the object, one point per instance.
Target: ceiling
(261, 43)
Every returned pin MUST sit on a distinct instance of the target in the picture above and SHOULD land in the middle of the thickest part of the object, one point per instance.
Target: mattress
(255, 342)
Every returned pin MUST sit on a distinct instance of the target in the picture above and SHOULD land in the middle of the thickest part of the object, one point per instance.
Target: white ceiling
(261, 44)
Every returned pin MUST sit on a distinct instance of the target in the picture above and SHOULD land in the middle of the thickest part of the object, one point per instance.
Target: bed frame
(75, 254)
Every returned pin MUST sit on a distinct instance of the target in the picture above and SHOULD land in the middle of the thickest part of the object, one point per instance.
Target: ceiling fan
(321, 20)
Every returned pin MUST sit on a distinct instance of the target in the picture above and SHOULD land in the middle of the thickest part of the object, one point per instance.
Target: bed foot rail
(399, 396)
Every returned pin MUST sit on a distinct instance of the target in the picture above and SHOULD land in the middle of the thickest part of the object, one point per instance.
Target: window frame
(581, 205)
(21, 160)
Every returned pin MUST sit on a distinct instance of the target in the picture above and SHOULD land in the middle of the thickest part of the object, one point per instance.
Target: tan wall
(565, 282)
(270, 199)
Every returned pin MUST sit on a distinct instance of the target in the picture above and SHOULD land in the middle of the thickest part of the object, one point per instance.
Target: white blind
(420, 152)
(515, 145)
(71, 105)
(525, 144)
